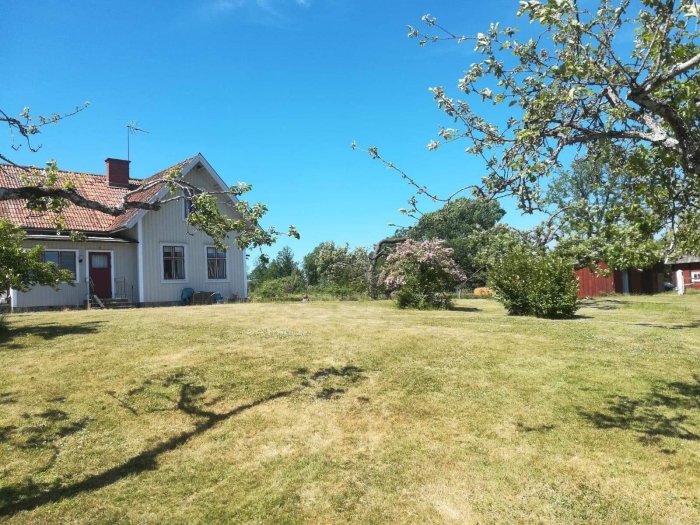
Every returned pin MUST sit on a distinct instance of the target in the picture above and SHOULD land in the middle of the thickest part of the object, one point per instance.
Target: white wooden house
(143, 257)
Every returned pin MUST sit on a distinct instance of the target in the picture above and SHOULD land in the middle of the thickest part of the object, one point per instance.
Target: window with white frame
(216, 263)
(63, 260)
(174, 263)
(695, 276)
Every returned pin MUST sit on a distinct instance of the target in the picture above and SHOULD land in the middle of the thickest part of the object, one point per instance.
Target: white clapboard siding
(167, 226)
(123, 262)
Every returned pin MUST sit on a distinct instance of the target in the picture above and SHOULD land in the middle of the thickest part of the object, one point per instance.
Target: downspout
(245, 275)
(139, 258)
(13, 299)
(625, 282)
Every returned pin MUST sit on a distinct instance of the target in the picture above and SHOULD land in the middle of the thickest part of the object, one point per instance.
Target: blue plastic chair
(186, 295)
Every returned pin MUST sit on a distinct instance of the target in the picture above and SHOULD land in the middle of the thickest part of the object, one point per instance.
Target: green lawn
(352, 413)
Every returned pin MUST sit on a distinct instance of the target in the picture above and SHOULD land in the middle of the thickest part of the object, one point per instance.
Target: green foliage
(329, 272)
(419, 294)
(337, 291)
(421, 274)
(208, 216)
(337, 268)
(21, 269)
(497, 241)
(259, 274)
(464, 225)
(283, 265)
(533, 282)
(570, 85)
(606, 214)
(457, 219)
(289, 288)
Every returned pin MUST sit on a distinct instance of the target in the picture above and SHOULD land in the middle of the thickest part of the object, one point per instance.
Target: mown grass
(352, 413)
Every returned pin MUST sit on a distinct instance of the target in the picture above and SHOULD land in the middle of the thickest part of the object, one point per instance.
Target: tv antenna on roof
(131, 129)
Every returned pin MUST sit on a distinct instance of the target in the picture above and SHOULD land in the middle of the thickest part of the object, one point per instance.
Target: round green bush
(541, 284)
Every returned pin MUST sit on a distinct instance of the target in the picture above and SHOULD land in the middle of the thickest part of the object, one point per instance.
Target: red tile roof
(90, 186)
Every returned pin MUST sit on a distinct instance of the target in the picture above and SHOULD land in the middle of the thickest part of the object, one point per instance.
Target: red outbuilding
(690, 266)
(593, 284)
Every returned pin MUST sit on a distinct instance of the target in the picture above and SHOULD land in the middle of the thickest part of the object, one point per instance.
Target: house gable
(188, 168)
(167, 229)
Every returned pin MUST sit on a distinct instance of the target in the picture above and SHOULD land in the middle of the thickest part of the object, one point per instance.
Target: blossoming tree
(420, 274)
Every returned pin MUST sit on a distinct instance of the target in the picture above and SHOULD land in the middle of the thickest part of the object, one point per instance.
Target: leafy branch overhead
(25, 127)
(577, 81)
(21, 268)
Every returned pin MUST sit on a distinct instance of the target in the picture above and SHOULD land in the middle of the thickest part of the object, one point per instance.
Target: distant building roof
(686, 259)
(89, 185)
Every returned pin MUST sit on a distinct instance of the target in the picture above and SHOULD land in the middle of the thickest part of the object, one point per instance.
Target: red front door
(101, 274)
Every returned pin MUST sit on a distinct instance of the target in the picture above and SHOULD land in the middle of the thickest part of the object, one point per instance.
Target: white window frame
(77, 260)
(163, 280)
(695, 276)
(206, 266)
(111, 263)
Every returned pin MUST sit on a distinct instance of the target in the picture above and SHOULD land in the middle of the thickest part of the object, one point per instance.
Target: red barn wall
(687, 269)
(640, 281)
(592, 285)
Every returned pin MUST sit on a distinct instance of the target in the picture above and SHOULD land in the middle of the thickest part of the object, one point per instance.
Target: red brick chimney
(117, 172)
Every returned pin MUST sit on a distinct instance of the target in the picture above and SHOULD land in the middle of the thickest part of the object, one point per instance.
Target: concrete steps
(113, 304)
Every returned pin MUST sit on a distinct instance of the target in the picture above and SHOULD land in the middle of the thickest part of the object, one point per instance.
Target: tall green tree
(283, 265)
(336, 266)
(604, 212)
(602, 215)
(465, 225)
(259, 273)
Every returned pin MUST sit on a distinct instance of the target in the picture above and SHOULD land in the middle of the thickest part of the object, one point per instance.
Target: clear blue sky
(272, 92)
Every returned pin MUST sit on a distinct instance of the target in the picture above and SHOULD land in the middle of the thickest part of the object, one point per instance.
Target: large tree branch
(380, 249)
(652, 83)
(38, 192)
(686, 143)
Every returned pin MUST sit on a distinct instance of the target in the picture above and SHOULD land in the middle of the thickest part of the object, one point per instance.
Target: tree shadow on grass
(464, 309)
(30, 495)
(603, 304)
(41, 433)
(676, 326)
(544, 428)
(47, 331)
(7, 398)
(669, 410)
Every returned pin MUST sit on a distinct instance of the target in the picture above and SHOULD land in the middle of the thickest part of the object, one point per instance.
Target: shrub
(289, 288)
(421, 274)
(539, 284)
(554, 293)
(483, 292)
